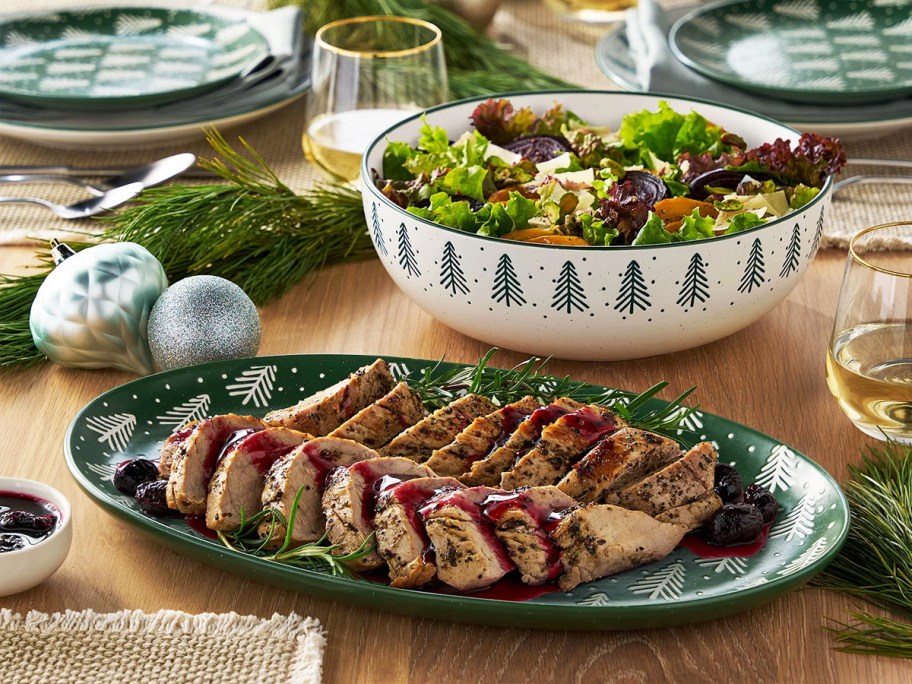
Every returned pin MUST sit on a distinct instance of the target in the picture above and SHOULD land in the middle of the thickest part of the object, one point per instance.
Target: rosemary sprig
(876, 561)
(317, 556)
(441, 384)
(476, 64)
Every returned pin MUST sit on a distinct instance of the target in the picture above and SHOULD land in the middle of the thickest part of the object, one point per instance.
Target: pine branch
(476, 64)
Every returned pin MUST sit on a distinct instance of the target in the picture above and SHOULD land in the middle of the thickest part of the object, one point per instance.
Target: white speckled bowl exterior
(592, 303)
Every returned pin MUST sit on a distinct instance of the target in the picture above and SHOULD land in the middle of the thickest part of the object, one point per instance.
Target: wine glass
(369, 73)
(869, 361)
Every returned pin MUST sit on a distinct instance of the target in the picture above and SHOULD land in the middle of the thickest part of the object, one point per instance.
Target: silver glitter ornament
(203, 318)
(92, 310)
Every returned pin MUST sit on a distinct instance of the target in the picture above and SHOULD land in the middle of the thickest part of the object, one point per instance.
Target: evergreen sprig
(875, 563)
(439, 385)
(476, 65)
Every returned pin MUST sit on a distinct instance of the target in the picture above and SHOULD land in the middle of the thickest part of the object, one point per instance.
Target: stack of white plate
(112, 76)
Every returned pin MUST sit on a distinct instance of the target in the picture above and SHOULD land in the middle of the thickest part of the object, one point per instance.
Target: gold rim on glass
(321, 41)
(864, 262)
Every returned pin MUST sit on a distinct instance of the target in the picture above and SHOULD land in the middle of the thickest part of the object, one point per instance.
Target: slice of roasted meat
(616, 462)
(562, 444)
(401, 539)
(305, 470)
(468, 553)
(693, 514)
(523, 521)
(326, 410)
(171, 448)
(237, 484)
(376, 424)
(601, 539)
(676, 484)
(438, 429)
(194, 462)
(350, 499)
(480, 438)
(487, 471)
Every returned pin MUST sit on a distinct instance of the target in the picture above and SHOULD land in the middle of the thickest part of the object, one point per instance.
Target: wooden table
(770, 376)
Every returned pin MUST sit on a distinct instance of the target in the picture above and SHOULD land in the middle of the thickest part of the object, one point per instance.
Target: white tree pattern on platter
(399, 370)
(665, 583)
(806, 559)
(779, 469)
(599, 598)
(798, 523)
(254, 385)
(731, 564)
(105, 471)
(187, 412)
(115, 430)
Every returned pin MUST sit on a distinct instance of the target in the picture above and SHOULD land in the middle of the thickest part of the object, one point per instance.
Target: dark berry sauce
(263, 449)
(695, 543)
(374, 486)
(197, 523)
(222, 443)
(591, 425)
(508, 588)
(25, 520)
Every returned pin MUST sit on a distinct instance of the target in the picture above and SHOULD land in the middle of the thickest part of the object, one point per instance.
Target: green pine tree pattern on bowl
(134, 419)
(816, 51)
(121, 57)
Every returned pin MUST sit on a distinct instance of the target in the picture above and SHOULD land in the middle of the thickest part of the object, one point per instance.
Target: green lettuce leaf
(654, 233)
(394, 157)
(467, 180)
(802, 195)
(743, 221)
(595, 232)
(502, 218)
(695, 227)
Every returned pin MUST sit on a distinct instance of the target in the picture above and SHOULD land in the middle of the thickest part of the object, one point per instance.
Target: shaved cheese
(561, 161)
(497, 151)
(586, 176)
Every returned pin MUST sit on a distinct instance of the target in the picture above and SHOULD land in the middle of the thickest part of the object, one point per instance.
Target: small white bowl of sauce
(35, 533)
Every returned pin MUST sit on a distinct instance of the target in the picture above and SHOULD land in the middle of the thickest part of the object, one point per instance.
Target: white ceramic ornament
(203, 318)
(93, 309)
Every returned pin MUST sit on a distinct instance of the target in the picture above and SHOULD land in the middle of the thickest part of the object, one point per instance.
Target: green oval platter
(134, 419)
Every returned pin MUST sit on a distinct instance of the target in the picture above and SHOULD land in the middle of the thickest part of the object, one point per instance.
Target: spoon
(148, 175)
(89, 207)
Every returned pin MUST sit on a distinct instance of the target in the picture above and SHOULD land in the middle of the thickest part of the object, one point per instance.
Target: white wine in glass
(869, 360)
(368, 74)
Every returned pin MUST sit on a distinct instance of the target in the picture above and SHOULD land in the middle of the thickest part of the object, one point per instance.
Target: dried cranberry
(733, 524)
(130, 474)
(150, 497)
(728, 484)
(539, 148)
(764, 501)
(11, 542)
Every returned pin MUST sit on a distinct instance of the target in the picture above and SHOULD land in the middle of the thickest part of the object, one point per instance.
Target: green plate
(134, 419)
(121, 57)
(817, 51)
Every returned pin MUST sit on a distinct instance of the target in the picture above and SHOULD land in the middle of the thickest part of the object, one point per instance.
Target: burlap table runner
(531, 28)
(168, 646)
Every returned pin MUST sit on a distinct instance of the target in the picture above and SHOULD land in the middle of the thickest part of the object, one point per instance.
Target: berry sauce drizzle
(696, 545)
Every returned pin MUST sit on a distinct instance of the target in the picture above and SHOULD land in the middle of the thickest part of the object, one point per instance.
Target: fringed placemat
(168, 646)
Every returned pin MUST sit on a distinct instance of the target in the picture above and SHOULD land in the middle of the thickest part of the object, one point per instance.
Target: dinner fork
(84, 208)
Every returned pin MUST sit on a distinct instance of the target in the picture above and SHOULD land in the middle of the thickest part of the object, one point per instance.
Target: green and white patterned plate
(134, 419)
(121, 57)
(818, 51)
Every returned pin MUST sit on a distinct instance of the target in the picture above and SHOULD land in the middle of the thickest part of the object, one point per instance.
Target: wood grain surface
(770, 376)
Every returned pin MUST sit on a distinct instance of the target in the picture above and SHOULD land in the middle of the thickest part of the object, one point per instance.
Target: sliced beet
(649, 187)
(721, 178)
(539, 148)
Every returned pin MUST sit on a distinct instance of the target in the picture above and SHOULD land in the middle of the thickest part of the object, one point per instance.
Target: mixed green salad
(661, 177)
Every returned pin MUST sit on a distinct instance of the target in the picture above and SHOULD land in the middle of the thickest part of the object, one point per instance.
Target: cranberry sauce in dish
(25, 520)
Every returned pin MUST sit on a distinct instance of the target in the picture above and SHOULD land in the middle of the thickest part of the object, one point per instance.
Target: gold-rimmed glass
(869, 361)
(369, 73)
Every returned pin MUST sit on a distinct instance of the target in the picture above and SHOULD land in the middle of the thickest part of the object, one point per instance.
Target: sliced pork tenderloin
(237, 484)
(305, 470)
(171, 448)
(617, 462)
(438, 429)
(195, 460)
(468, 554)
(562, 444)
(480, 438)
(376, 424)
(326, 410)
(401, 538)
(523, 521)
(487, 471)
(600, 540)
(350, 499)
(694, 513)
(674, 485)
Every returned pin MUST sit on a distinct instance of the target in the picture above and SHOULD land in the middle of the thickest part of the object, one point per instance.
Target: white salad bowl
(28, 567)
(592, 303)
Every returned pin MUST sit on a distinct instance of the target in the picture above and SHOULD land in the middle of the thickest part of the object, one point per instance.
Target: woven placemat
(133, 647)
(528, 27)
